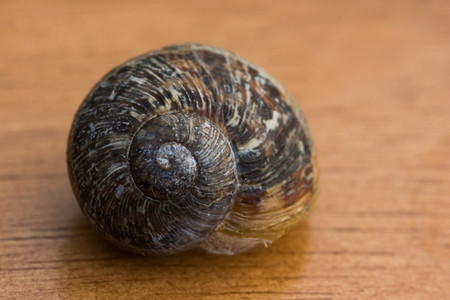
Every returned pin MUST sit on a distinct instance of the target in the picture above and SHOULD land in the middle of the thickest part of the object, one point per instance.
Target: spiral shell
(191, 146)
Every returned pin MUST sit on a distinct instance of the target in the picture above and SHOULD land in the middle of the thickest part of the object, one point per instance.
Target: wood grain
(373, 80)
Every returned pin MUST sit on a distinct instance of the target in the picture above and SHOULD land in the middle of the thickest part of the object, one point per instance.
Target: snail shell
(191, 146)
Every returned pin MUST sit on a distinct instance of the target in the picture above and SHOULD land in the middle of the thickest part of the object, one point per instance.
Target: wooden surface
(373, 80)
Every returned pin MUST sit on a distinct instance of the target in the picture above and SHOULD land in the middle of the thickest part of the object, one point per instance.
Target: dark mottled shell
(191, 146)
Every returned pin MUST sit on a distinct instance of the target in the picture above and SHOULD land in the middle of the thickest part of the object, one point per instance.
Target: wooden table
(373, 80)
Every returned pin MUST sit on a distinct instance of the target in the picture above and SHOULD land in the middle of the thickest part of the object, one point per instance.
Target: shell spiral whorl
(180, 153)
(191, 146)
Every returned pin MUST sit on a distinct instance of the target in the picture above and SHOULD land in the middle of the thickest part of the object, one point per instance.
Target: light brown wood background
(373, 79)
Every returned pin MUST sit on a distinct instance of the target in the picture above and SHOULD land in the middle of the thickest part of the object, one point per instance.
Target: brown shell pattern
(191, 146)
